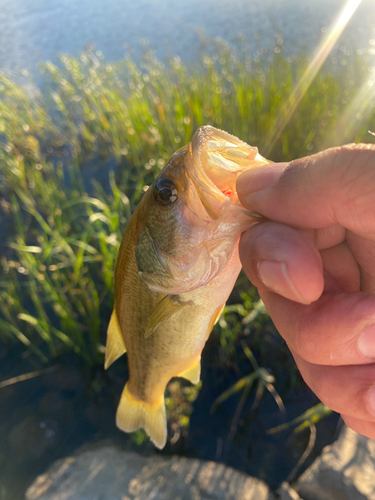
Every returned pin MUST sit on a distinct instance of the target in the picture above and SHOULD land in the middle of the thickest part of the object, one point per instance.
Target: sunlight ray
(321, 54)
(355, 114)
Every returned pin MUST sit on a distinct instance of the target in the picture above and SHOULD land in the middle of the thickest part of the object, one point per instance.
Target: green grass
(57, 265)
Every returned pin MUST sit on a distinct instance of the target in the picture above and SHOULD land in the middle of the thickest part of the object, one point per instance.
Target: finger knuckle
(307, 344)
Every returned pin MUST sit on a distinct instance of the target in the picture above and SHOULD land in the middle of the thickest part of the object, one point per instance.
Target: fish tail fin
(133, 414)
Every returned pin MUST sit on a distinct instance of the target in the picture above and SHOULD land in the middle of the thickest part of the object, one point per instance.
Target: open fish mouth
(215, 162)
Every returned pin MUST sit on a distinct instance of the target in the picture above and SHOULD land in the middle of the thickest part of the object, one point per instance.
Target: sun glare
(356, 112)
(321, 54)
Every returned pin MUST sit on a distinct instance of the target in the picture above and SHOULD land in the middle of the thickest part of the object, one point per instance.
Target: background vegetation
(75, 161)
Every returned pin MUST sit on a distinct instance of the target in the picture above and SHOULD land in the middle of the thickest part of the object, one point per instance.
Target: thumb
(336, 186)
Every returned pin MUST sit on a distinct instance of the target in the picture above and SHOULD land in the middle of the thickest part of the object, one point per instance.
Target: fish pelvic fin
(193, 373)
(115, 343)
(133, 414)
(216, 317)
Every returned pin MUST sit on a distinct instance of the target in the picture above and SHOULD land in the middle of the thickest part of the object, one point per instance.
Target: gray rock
(108, 473)
(286, 492)
(344, 471)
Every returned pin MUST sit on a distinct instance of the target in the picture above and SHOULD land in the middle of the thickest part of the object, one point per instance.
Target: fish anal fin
(115, 342)
(168, 306)
(133, 414)
(193, 373)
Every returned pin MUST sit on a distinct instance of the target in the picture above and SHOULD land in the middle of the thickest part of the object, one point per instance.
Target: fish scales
(177, 264)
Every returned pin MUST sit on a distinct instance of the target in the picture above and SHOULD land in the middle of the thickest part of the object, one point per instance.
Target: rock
(286, 492)
(344, 471)
(108, 473)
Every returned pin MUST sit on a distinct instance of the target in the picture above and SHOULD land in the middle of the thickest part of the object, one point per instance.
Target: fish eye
(165, 192)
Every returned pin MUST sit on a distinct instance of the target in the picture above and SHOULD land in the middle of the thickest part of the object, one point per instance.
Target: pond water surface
(40, 30)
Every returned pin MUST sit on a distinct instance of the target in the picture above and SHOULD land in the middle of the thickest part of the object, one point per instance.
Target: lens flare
(355, 114)
(304, 83)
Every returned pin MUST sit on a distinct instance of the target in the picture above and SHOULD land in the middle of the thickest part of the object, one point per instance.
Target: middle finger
(337, 329)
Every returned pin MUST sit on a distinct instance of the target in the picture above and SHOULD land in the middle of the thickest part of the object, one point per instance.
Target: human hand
(313, 263)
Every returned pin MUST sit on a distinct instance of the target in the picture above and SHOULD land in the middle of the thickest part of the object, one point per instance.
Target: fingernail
(275, 276)
(366, 342)
(259, 178)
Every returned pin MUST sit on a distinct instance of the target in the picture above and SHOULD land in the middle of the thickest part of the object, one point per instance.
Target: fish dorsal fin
(115, 343)
(193, 373)
(169, 305)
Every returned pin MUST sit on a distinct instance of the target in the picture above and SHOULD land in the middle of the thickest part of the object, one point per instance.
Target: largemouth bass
(177, 264)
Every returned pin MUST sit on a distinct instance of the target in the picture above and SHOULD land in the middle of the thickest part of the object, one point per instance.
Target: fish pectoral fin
(193, 373)
(115, 343)
(133, 414)
(168, 306)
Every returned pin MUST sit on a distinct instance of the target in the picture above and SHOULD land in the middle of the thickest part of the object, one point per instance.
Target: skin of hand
(313, 262)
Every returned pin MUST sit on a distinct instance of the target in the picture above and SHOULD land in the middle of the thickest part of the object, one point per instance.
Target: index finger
(335, 186)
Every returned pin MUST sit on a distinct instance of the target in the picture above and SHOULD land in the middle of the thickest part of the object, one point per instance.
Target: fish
(176, 267)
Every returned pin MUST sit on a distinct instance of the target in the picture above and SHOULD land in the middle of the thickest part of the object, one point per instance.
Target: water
(56, 414)
(39, 30)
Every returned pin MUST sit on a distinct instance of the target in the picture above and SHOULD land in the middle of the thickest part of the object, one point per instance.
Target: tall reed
(61, 232)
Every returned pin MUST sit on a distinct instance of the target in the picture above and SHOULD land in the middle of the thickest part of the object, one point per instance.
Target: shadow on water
(73, 406)
(52, 415)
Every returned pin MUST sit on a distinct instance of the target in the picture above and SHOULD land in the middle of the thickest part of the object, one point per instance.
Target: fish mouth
(216, 161)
